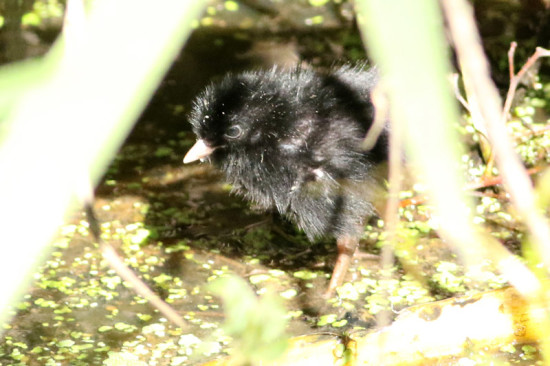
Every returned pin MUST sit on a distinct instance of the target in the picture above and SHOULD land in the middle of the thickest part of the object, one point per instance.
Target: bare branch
(516, 78)
(511, 53)
(476, 73)
(454, 81)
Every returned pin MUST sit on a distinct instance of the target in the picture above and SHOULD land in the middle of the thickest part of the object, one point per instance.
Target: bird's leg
(347, 245)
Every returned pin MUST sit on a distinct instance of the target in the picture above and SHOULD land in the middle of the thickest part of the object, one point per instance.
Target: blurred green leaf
(257, 324)
(64, 116)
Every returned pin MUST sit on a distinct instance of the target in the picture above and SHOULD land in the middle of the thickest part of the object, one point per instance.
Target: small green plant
(256, 324)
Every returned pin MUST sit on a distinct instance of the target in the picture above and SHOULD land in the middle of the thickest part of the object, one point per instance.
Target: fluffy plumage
(292, 140)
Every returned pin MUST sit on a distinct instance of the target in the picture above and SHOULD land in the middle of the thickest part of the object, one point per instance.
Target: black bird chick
(291, 139)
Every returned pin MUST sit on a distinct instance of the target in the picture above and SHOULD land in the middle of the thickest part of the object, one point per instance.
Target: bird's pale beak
(199, 151)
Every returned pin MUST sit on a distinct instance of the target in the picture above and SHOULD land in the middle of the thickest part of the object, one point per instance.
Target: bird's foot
(347, 245)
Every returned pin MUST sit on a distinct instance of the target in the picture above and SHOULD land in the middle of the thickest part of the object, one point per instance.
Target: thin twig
(380, 101)
(483, 183)
(492, 181)
(391, 215)
(516, 78)
(535, 132)
(511, 53)
(139, 286)
(476, 73)
(458, 95)
(117, 264)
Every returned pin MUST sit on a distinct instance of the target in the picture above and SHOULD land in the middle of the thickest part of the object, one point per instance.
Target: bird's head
(243, 114)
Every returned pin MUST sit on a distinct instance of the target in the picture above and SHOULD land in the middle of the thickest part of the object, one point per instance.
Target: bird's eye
(234, 132)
